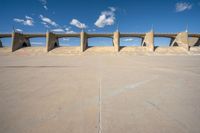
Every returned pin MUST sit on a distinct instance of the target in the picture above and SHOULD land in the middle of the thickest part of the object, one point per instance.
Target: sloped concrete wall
(182, 40)
(149, 41)
(83, 41)
(51, 40)
(116, 41)
(194, 41)
(18, 40)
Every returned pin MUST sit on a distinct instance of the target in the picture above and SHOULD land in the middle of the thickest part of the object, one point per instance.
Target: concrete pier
(116, 41)
(182, 39)
(51, 41)
(83, 41)
(19, 41)
(149, 41)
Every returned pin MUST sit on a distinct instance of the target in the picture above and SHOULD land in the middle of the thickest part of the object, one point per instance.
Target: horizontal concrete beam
(109, 35)
(132, 35)
(141, 35)
(67, 35)
(165, 35)
(5, 35)
(34, 35)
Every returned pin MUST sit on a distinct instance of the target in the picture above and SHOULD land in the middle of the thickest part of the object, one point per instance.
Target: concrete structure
(149, 40)
(84, 42)
(51, 41)
(116, 41)
(19, 41)
(182, 39)
(1, 44)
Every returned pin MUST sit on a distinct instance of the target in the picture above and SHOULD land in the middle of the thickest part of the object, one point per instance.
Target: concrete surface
(140, 94)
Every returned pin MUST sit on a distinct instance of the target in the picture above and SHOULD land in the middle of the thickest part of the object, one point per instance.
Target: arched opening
(6, 42)
(38, 42)
(69, 41)
(162, 42)
(24, 45)
(56, 44)
(130, 41)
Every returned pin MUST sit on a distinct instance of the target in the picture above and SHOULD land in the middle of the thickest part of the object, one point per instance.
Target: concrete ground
(138, 94)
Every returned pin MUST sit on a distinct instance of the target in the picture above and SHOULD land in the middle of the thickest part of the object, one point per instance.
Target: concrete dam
(183, 40)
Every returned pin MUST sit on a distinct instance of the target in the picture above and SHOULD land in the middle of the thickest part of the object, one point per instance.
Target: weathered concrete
(149, 40)
(194, 41)
(19, 41)
(181, 40)
(60, 94)
(83, 41)
(51, 41)
(116, 41)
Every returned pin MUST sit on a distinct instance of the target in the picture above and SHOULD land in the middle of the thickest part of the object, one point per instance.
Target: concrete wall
(116, 41)
(18, 40)
(149, 41)
(51, 40)
(194, 41)
(83, 41)
(181, 40)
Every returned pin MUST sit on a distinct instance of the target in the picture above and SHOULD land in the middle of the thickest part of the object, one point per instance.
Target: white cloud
(128, 40)
(37, 43)
(68, 30)
(27, 21)
(58, 30)
(106, 18)
(44, 4)
(18, 30)
(78, 24)
(65, 39)
(47, 21)
(91, 30)
(182, 6)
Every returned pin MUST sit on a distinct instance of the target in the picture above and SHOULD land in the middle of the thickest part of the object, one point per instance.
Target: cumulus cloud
(27, 21)
(44, 4)
(47, 21)
(78, 24)
(128, 40)
(182, 6)
(106, 18)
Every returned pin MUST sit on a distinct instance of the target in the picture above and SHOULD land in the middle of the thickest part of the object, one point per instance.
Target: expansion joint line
(100, 115)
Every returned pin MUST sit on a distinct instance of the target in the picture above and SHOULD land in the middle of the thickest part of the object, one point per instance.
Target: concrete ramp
(171, 50)
(134, 50)
(66, 50)
(195, 50)
(30, 51)
(100, 49)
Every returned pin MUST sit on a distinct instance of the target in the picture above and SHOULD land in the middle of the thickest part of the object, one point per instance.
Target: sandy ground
(61, 94)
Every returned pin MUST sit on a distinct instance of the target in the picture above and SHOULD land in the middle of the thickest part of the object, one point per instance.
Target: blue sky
(68, 16)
